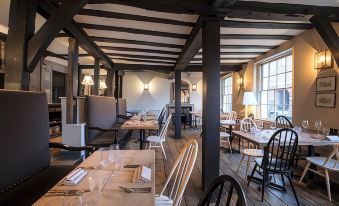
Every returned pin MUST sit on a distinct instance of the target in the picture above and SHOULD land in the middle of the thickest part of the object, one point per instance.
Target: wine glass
(326, 131)
(305, 125)
(114, 156)
(317, 124)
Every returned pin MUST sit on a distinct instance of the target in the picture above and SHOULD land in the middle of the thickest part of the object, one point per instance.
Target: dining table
(135, 123)
(119, 186)
(229, 124)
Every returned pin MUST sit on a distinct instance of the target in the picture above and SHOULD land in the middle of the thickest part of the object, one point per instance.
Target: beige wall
(304, 47)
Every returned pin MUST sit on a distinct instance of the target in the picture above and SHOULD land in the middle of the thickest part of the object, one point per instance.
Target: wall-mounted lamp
(194, 87)
(323, 60)
(146, 86)
(241, 81)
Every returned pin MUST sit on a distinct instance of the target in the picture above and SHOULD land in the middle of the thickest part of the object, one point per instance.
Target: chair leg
(295, 194)
(305, 171)
(248, 165)
(229, 144)
(283, 180)
(163, 150)
(249, 180)
(328, 185)
(264, 177)
(150, 146)
(241, 161)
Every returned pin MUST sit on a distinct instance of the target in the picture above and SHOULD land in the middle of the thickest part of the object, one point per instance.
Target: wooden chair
(224, 135)
(327, 164)
(278, 159)
(221, 192)
(158, 140)
(283, 122)
(252, 151)
(179, 175)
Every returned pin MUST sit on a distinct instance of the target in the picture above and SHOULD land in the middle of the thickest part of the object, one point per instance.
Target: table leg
(142, 134)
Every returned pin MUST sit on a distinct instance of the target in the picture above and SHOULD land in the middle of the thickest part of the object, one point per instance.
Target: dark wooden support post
(328, 34)
(21, 29)
(109, 82)
(177, 95)
(211, 103)
(72, 79)
(116, 84)
(96, 76)
(121, 77)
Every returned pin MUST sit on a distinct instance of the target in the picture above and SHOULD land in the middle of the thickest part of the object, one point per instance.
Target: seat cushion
(163, 200)
(29, 191)
(319, 161)
(253, 152)
(155, 139)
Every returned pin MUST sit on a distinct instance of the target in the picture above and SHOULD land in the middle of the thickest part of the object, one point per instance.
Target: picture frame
(327, 100)
(325, 84)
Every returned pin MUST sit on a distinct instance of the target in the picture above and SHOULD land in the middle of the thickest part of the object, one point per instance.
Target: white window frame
(227, 97)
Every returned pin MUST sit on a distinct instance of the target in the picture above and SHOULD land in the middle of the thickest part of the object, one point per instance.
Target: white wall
(159, 91)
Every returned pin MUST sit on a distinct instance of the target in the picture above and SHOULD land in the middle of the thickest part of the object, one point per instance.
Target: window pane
(289, 79)
(271, 112)
(265, 70)
(273, 82)
(273, 68)
(289, 98)
(263, 110)
(279, 100)
(265, 83)
(281, 81)
(271, 97)
(281, 66)
(264, 97)
(289, 63)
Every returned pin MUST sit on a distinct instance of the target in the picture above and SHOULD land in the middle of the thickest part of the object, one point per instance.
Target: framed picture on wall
(326, 84)
(325, 100)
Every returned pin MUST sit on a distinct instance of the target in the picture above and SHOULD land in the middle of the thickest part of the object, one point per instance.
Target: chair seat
(253, 152)
(163, 200)
(155, 139)
(275, 161)
(224, 134)
(319, 161)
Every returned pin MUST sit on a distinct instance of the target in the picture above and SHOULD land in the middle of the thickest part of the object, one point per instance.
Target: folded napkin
(75, 176)
(333, 138)
(145, 173)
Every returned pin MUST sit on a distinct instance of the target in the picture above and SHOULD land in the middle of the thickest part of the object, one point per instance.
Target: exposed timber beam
(21, 28)
(112, 55)
(265, 25)
(192, 46)
(252, 36)
(140, 50)
(38, 44)
(143, 60)
(246, 47)
(238, 53)
(117, 15)
(52, 54)
(46, 9)
(127, 41)
(133, 31)
(145, 67)
(328, 34)
(96, 76)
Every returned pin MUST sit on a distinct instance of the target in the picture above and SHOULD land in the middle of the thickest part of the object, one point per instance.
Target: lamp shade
(249, 99)
(102, 85)
(87, 80)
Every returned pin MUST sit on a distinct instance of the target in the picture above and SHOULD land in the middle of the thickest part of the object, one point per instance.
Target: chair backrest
(335, 152)
(251, 116)
(280, 150)
(24, 129)
(246, 124)
(121, 107)
(163, 130)
(181, 172)
(231, 115)
(161, 116)
(101, 112)
(221, 192)
(283, 122)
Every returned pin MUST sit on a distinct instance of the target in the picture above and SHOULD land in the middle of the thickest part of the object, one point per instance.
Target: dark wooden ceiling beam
(117, 15)
(265, 25)
(192, 46)
(133, 56)
(246, 47)
(133, 31)
(155, 51)
(137, 42)
(46, 9)
(38, 44)
(328, 34)
(238, 53)
(142, 67)
(253, 36)
(142, 60)
(59, 56)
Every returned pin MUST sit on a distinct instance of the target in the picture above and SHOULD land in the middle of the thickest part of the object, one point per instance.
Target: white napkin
(333, 138)
(146, 173)
(75, 176)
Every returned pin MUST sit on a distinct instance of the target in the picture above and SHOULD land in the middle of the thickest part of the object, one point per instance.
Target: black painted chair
(223, 191)
(278, 159)
(283, 122)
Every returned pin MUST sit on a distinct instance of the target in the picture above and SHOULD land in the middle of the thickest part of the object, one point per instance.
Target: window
(276, 88)
(227, 94)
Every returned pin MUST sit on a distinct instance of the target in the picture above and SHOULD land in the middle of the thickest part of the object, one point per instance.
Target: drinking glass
(103, 157)
(305, 125)
(326, 131)
(298, 130)
(114, 156)
(317, 124)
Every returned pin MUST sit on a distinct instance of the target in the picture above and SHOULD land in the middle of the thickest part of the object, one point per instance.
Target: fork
(136, 190)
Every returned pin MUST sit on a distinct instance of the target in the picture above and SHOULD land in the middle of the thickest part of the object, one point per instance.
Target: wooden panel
(96, 76)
